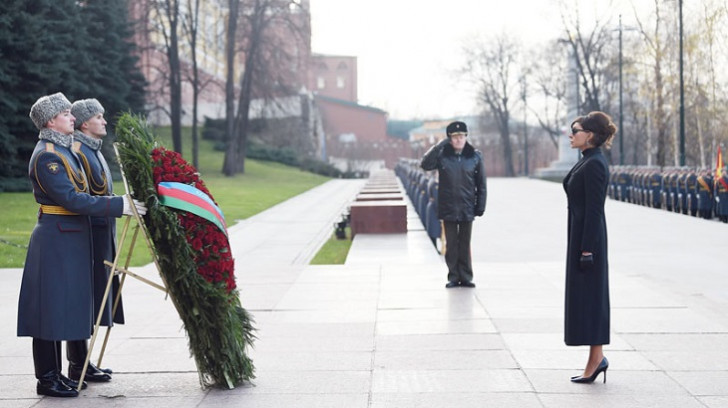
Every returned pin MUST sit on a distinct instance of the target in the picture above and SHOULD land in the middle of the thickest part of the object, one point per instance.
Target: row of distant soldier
(421, 188)
(682, 190)
(696, 192)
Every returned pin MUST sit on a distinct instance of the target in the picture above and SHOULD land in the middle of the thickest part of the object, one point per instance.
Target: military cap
(456, 127)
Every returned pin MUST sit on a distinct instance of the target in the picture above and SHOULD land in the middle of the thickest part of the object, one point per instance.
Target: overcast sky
(408, 50)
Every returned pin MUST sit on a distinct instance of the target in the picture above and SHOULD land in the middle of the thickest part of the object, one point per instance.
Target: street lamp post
(682, 92)
(525, 125)
(621, 115)
(621, 104)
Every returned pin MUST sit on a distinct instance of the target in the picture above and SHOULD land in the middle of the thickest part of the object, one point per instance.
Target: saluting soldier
(55, 301)
(461, 198)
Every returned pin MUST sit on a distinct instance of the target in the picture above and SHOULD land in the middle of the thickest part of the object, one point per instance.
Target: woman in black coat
(587, 271)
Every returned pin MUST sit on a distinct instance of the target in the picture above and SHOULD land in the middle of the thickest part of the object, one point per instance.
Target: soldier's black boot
(69, 382)
(47, 372)
(76, 352)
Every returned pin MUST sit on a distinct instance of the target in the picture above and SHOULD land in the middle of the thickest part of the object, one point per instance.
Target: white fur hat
(85, 109)
(47, 107)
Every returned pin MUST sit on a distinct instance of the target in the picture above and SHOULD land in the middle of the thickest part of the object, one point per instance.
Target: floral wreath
(193, 254)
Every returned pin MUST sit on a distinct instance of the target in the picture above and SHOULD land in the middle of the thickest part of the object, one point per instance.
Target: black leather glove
(586, 262)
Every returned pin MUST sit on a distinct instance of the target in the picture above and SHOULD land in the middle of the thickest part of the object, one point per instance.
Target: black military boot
(76, 352)
(69, 382)
(47, 372)
(51, 385)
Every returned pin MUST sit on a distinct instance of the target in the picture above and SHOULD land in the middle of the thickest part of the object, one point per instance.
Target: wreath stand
(116, 269)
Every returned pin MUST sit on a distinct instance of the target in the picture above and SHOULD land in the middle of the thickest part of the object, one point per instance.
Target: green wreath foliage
(219, 330)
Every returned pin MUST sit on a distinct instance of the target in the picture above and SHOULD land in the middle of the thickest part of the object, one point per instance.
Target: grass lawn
(334, 251)
(17, 219)
(263, 185)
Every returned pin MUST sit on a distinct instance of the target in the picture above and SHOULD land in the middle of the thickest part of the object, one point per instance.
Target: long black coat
(461, 181)
(103, 229)
(55, 301)
(587, 291)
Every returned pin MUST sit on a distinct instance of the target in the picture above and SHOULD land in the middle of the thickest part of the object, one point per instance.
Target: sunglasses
(575, 130)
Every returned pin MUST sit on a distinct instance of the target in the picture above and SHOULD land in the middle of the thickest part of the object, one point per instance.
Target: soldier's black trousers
(457, 251)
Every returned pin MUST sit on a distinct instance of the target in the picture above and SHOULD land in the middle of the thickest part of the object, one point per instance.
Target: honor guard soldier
(691, 183)
(432, 223)
(56, 302)
(721, 196)
(682, 192)
(612, 182)
(638, 186)
(88, 137)
(655, 188)
(623, 182)
(705, 194)
(669, 189)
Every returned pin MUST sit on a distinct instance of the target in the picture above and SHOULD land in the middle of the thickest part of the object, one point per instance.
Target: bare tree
(547, 68)
(167, 13)
(270, 46)
(590, 51)
(712, 20)
(190, 26)
(491, 65)
(231, 151)
(657, 49)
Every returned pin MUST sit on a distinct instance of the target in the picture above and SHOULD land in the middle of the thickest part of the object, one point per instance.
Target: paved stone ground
(382, 331)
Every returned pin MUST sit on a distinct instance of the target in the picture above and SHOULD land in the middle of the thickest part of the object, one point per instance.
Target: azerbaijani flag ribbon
(187, 198)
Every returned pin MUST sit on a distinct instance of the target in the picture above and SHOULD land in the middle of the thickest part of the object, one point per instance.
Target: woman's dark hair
(600, 125)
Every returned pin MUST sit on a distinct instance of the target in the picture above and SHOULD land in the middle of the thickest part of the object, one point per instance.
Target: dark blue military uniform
(682, 193)
(103, 228)
(705, 195)
(721, 196)
(432, 224)
(655, 186)
(55, 295)
(691, 184)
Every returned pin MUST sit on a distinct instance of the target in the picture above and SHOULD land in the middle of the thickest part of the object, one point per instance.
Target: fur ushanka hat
(85, 109)
(47, 107)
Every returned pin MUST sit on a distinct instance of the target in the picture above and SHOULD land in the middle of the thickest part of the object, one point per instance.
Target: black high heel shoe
(603, 366)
